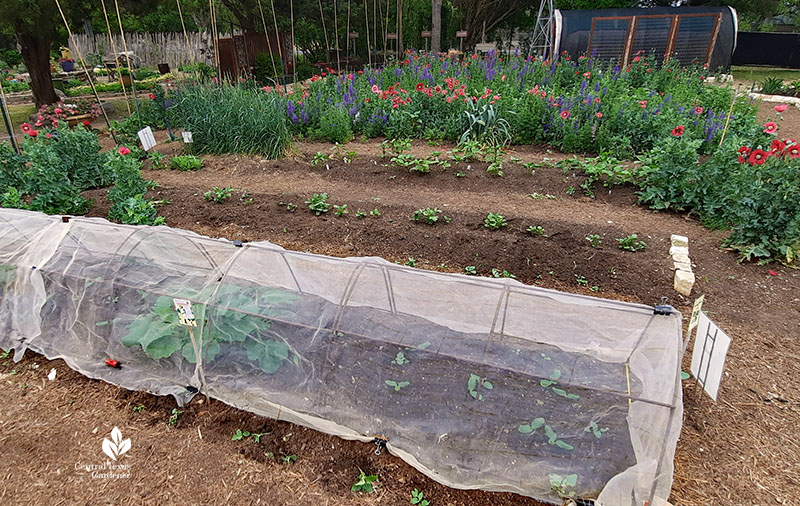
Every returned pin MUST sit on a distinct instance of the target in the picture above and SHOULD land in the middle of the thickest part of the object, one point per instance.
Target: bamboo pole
(280, 50)
(294, 58)
(130, 67)
(116, 57)
(347, 31)
(269, 44)
(366, 24)
(336, 30)
(324, 30)
(85, 70)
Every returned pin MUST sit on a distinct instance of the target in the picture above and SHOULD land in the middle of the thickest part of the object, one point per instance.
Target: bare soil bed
(741, 450)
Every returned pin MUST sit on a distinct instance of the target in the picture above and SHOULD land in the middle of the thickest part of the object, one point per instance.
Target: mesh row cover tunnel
(476, 382)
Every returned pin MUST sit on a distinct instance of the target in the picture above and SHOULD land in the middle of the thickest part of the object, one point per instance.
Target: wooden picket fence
(152, 48)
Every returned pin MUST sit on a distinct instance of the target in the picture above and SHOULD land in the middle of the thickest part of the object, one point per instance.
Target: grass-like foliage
(234, 119)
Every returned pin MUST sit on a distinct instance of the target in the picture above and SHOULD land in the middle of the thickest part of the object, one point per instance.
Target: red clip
(110, 362)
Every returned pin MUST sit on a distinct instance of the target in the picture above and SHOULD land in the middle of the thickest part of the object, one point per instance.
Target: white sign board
(187, 137)
(708, 359)
(147, 138)
(185, 313)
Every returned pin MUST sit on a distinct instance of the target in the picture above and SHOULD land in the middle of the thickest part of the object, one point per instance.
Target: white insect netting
(478, 383)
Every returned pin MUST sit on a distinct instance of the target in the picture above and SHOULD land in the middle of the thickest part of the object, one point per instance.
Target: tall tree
(480, 15)
(436, 26)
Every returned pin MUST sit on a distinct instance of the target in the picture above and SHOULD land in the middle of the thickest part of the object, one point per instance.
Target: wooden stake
(116, 58)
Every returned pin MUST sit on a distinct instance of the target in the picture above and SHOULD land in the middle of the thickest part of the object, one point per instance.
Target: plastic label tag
(698, 306)
(185, 314)
(147, 138)
(187, 137)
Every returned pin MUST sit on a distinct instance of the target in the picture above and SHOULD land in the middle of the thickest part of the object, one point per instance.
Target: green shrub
(335, 126)
(135, 211)
(264, 72)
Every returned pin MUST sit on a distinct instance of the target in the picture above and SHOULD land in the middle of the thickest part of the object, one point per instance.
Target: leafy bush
(486, 125)
(136, 211)
(186, 163)
(495, 221)
(201, 69)
(335, 126)
(772, 86)
(264, 72)
(428, 216)
(218, 195)
(231, 119)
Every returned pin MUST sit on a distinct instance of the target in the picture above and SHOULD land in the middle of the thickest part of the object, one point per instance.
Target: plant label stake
(187, 137)
(696, 308)
(147, 138)
(708, 359)
(186, 318)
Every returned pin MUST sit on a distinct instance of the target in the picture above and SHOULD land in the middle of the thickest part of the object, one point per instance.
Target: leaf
(560, 391)
(546, 383)
(110, 449)
(474, 394)
(564, 446)
(685, 375)
(525, 429)
(269, 354)
(116, 436)
(573, 397)
(556, 375)
(124, 446)
(402, 384)
(423, 346)
(571, 480)
(487, 385)
(556, 480)
(551, 434)
(391, 383)
(472, 382)
(537, 422)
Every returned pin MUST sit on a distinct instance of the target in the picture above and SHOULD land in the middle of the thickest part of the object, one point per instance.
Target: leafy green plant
(418, 497)
(340, 210)
(595, 429)
(186, 163)
(375, 213)
(594, 240)
(561, 484)
(474, 382)
(364, 483)
(535, 230)
(138, 409)
(467, 150)
(218, 195)
(631, 243)
(428, 216)
(240, 434)
(397, 385)
(772, 86)
(173, 417)
(495, 221)
(319, 158)
(395, 147)
(581, 280)
(318, 203)
(486, 125)
(552, 437)
(400, 359)
(497, 273)
(289, 459)
(156, 159)
(470, 269)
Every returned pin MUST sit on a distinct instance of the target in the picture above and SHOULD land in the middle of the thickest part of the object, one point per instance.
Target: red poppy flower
(587, 75)
(86, 122)
(678, 131)
(744, 150)
(637, 59)
(124, 151)
(33, 133)
(698, 110)
(777, 146)
(598, 115)
(758, 157)
(151, 96)
(793, 151)
(420, 86)
(58, 110)
(643, 103)
(742, 159)
(564, 114)
(781, 107)
(770, 127)
(25, 127)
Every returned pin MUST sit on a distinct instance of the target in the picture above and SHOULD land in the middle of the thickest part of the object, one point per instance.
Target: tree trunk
(436, 27)
(36, 55)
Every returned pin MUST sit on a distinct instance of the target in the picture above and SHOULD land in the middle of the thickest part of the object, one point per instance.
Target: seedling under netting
(476, 382)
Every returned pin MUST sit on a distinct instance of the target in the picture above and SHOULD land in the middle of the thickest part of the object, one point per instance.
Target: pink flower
(698, 110)
(598, 115)
(375, 89)
(58, 110)
(587, 75)
(773, 273)
(25, 127)
(678, 131)
(124, 151)
(770, 127)
(781, 107)
(564, 114)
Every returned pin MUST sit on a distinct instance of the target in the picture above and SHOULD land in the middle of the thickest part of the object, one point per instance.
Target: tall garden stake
(86, 71)
(7, 120)
(269, 44)
(130, 67)
(116, 57)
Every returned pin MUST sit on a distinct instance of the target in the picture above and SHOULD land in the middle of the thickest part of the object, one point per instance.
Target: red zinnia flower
(420, 86)
(758, 157)
(124, 151)
(770, 127)
(564, 114)
(781, 107)
(25, 127)
(678, 131)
